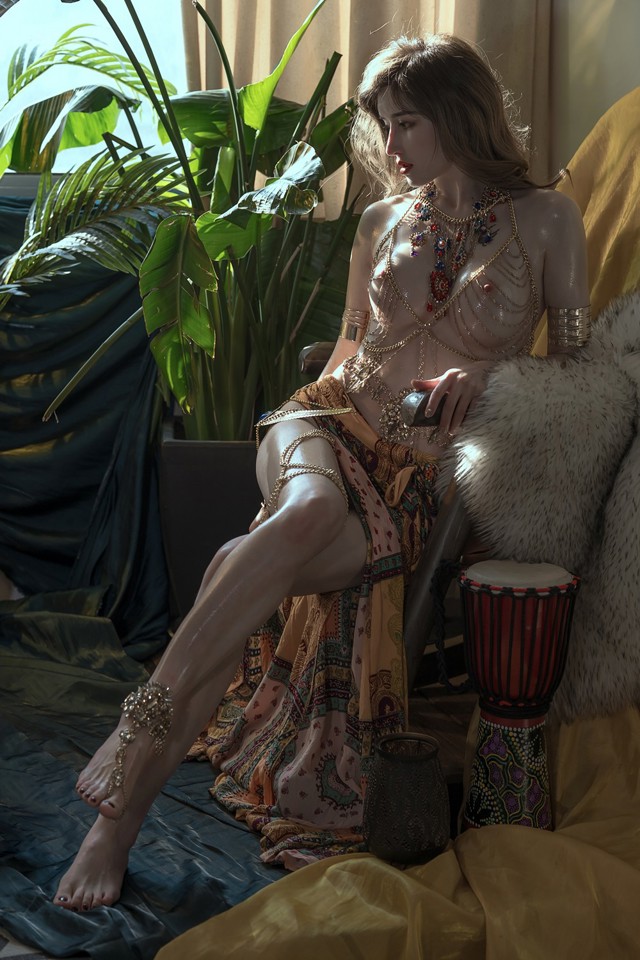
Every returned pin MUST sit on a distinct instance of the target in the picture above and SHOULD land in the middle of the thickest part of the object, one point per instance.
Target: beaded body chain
(489, 314)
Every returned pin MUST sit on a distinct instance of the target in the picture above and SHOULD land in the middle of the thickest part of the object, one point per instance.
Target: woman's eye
(405, 124)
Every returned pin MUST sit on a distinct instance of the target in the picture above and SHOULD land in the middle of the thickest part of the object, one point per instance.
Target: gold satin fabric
(497, 893)
(604, 180)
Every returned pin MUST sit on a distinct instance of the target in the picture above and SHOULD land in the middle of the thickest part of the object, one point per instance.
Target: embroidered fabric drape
(515, 35)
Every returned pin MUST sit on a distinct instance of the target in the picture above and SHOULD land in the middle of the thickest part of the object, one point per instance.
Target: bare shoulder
(380, 216)
(375, 222)
(547, 213)
(550, 225)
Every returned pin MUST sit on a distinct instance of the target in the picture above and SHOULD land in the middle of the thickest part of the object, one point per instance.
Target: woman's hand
(461, 387)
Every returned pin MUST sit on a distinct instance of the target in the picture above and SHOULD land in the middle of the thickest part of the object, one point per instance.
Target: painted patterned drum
(517, 620)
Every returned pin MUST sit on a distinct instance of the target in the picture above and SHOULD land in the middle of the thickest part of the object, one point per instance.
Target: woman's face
(411, 139)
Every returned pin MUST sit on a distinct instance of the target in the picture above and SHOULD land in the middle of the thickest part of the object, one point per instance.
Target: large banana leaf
(254, 99)
(76, 85)
(233, 233)
(173, 277)
(288, 192)
(30, 131)
(330, 136)
(222, 181)
(74, 119)
(36, 136)
(87, 100)
(205, 119)
(87, 122)
(226, 239)
(300, 165)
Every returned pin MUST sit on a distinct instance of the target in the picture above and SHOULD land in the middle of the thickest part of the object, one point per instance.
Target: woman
(450, 273)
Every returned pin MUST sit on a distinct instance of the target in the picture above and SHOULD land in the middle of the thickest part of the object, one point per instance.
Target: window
(41, 22)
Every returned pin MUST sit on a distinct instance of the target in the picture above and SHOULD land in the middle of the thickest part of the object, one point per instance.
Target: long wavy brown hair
(449, 81)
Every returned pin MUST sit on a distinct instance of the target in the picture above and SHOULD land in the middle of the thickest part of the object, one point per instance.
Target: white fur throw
(548, 466)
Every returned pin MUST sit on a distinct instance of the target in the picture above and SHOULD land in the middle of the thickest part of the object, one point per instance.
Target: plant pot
(208, 495)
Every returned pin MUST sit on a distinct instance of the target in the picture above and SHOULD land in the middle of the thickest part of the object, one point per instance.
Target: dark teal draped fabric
(78, 497)
(80, 536)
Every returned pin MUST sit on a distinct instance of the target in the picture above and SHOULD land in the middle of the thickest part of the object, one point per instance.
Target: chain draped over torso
(491, 314)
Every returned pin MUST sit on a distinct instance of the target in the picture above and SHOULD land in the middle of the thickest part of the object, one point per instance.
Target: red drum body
(517, 620)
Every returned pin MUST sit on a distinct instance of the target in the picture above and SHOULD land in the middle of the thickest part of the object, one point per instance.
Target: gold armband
(354, 324)
(568, 326)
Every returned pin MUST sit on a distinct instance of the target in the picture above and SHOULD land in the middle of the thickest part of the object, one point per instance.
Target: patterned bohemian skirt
(324, 678)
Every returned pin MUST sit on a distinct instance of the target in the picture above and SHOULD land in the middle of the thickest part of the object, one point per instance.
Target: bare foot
(125, 756)
(95, 877)
(93, 782)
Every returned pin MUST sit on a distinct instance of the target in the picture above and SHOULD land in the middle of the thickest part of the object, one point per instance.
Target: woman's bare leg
(277, 559)
(90, 783)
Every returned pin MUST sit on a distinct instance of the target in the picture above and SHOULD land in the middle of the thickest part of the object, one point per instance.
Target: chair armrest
(313, 358)
(446, 541)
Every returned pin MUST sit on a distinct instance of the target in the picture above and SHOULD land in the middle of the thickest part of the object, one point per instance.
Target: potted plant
(235, 272)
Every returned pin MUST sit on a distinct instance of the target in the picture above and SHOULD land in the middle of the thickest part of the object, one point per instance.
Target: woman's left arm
(565, 276)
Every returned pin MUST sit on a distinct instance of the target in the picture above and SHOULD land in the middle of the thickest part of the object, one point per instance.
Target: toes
(66, 902)
(90, 793)
(83, 901)
(107, 899)
(112, 807)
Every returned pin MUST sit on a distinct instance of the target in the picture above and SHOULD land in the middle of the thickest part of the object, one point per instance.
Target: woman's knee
(219, 557)
(312, 518)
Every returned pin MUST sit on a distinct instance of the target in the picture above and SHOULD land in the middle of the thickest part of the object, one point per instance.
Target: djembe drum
(517, 620)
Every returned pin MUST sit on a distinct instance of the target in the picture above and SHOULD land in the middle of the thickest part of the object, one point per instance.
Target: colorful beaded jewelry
(454, 238)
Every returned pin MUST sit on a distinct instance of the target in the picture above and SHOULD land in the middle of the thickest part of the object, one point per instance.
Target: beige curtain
(515, 34)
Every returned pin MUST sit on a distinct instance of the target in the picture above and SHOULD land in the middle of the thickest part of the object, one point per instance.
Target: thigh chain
(290, 470)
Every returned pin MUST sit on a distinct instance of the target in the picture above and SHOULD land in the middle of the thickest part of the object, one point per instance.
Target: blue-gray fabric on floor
(191, 861)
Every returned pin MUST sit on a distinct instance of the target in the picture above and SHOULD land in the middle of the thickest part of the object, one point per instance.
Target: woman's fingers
(460, 397)
(418, 384)
(445, 386)
(461, 389)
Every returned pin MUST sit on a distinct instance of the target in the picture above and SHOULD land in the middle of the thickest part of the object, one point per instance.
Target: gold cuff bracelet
(569, 326)
(354, 324)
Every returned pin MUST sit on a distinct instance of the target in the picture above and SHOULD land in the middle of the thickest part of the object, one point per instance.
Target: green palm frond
(72, 50)
(106, 210)
(21, 60)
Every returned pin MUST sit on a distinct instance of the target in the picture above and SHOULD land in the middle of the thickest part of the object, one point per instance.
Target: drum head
(510, 573)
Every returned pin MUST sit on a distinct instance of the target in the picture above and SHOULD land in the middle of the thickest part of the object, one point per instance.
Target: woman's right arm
(357, 298)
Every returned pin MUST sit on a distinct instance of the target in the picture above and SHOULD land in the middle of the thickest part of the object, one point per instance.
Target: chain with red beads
(451, 251)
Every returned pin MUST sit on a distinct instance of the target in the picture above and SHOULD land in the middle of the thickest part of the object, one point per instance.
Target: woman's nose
(390, 147)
